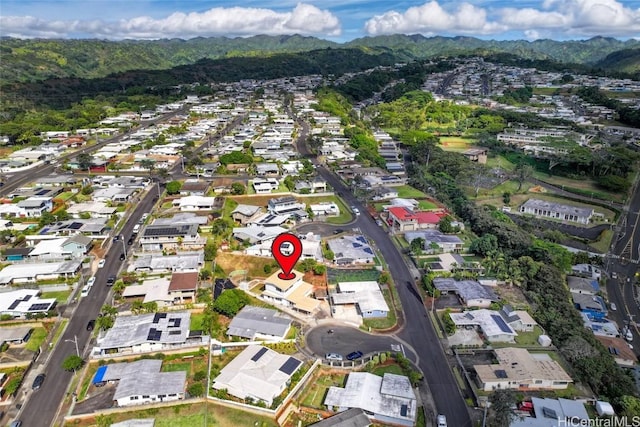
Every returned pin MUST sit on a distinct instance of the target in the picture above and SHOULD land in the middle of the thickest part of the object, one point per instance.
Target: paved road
(623, 262)
(418, 330)
(42, 405)
(346, 339)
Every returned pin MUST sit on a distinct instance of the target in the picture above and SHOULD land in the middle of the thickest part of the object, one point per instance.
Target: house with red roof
(402, 219)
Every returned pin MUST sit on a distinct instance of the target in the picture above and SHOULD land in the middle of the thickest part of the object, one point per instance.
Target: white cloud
(234, 21)
(558, 17)
(431, 17)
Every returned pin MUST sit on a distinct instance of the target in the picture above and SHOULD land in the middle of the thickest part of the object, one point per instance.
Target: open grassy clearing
(388, 369)
(254, 265)
(408, 192)
(316, 390)
(456, 143)
(500, 162)
(604, 242)
(36, 339)
(60, 296)
(584, 186)
(519, 199)
(186, 415)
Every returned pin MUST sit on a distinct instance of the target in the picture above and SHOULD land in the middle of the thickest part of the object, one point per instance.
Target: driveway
(345, 339)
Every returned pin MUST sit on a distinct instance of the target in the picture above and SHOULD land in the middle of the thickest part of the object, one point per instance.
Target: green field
(388, 369)
(36, 339)
(174, 367)
(408, 192)
(60, 296)
(335, 275)
(185, 415)
(196, 321)
(456, 143)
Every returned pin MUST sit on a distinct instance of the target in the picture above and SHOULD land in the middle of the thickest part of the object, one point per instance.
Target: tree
(502, 403)
(523, 172)
(173, 187)
(307, 264)
(484, 245)
(210, 251)
(328, 254)
(237, 188)
(444, 225)
(230, 302)
(62, 215)
(147, 164)
(417, 246)
(506, 197)
(105, 322)
(72, 363)
(205, 274)
(84, 161)
(319, 269)
(196, 389)
(46, 218)
(384, 278)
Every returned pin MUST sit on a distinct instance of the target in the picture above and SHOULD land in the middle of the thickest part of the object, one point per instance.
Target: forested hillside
(38, 59)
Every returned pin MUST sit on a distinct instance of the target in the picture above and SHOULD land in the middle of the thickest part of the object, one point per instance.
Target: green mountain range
(29, 61)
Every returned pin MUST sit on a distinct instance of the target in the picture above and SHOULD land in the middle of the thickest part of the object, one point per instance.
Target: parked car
(130, 241)
(16, 423)
(354, 355)
(613, 306)
(442, 421)
(37, 383)
(123, 257)
(91, 281)
(111, 280)
(91, 325)
(338, 231)
(101, 263)
(116, 238)
(333, 356)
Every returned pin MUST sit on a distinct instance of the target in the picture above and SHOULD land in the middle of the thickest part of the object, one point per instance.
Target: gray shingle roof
(257, 320)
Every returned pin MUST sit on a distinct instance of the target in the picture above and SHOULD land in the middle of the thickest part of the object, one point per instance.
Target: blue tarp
(100, 374)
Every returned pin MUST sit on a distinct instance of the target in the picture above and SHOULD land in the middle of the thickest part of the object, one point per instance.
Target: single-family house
(470, 292)
(489, 322)
(258, 373)
(517, 369)
(546, 209)
(402, 219)
(33, 207)
(245, 213)
(366, 296)
(519, 320)
(388, 400)
(435, 240)
(171, 237)
(293, 293)
(351, 249)
(194, 187)
(258, 323)
(194, 203)
(284, 204)
(183, 287)
(23, 302)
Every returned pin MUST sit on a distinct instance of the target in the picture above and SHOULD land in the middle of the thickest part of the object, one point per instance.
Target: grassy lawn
(604, 242)
(336, 275)
(254, 265)
(37, 338)
(388, 369)
(455, 143)
(315, 392)
(584, 186)
(426, 205)
(499, 190)
(86, 381)
(65, 196)
(529, 338)
(344, 216)
(383, 322)
(196, 321)
(61, 327)
(518, 199)
(229, 206)
(60, 296)
(500, 162)
(186, 415)
(173, 367)
(408, 192)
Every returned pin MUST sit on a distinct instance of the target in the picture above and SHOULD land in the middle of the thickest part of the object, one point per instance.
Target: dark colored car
(122, 257)
(130, 241)
(37, 383)
(91, 325)
(354, 355)
(116, 238)
(338, 231)
(111, 280)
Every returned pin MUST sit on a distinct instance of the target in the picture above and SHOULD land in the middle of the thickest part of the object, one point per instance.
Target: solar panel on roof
(259, 354)
(361, 239)
(75, 226)
(178, 332)
(42, 192)
(38, 307)
(158, 316)
(154, 335)
(26, 298)
(500, 373)
(14, 304)
(549, 413)
(290, 366)
(356, 245)
(403, 410)
(368, 250)
(501, 323)
(174, 322)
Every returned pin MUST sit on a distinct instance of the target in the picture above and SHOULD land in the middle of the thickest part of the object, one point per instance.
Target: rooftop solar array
(501, 323)
(176, 332)
(289, 366)
(158, 316)
(549, 413)
(174, 322)
(15, 304)
(259, 354)
(39, 307)
(501, 373)
(154, 335)
(403, 410)
(26, 298)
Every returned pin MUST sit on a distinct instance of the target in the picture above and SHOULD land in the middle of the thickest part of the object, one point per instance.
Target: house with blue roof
(584, 292)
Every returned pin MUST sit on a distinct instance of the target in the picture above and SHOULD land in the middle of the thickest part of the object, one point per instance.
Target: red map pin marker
(288, 256)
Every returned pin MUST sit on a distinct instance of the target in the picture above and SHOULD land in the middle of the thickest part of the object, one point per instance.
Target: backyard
(456, 143)
(315, 392)
(184, 415)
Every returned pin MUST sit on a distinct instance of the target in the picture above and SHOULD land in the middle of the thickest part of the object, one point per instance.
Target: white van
(85, 290)
(136, 228)
(91, 281)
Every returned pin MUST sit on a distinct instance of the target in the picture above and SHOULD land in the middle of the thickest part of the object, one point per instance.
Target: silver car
(333, 356)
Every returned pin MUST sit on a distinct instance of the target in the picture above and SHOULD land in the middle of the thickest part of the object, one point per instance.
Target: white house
(290, 293)
(194, 203)
(33, 207)
(545, 209)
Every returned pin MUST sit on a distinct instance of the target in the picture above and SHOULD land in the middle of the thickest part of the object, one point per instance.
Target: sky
(337, 20)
